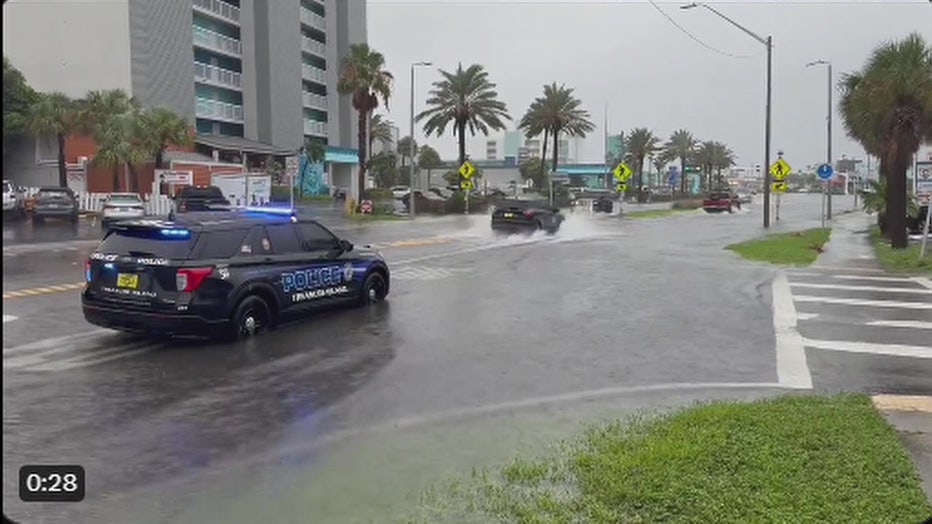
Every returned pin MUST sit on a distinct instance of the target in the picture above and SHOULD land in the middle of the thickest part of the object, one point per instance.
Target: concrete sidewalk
(911, 417)
(849, 244)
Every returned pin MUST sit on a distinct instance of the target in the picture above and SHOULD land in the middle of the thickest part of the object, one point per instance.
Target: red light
(190, 278)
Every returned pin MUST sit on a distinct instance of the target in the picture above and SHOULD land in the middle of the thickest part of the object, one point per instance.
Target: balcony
(222, 10)
(316, 74)
(313, 47)
(213, 75)
(313, 19)
(217, 110)
(315, 128)
(314, 101)
(216, 42)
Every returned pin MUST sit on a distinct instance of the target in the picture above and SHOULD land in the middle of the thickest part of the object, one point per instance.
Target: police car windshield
(147, 242)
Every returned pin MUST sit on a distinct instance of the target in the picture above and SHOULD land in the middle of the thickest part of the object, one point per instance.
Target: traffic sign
(168, 176)
(778, 187)
(780, 169)
(366, 207)
(622, 172)
(674, 174)
(467, 170)
(467, 185)
(825, 171)
(621, 187)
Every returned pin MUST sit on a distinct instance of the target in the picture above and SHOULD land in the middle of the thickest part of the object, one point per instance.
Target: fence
(156, 205)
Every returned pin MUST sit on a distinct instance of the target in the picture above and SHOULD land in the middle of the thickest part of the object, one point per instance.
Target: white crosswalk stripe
(426, 273)
(79, 350)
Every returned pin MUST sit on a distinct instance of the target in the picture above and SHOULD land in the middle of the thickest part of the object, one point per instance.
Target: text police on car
(229, 274)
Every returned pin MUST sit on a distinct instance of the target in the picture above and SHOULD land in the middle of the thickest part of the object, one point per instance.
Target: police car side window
(284, 239)
(220, 244)
(315, 237)
(256, 243)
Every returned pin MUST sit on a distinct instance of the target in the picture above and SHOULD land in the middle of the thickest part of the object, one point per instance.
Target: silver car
(122, 206)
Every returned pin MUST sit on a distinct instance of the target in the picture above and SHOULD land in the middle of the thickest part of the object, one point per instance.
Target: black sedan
(514, 215)
(55, 202)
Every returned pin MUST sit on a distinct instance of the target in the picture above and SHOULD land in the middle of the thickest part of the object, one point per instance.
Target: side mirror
(346, 245)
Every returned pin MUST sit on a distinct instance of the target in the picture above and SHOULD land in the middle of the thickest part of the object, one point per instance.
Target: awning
(341, 155)
(239, 144)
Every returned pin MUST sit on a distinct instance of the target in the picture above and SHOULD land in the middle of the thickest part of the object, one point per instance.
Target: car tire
(374, 290)
(252, 317)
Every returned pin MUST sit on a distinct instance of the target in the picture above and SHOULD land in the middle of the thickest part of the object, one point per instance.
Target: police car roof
(207, 220)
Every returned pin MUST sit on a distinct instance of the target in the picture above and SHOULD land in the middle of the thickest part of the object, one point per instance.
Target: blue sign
(674, 174)
(825, 171)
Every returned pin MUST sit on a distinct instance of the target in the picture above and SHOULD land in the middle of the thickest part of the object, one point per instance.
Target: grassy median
(657, 213)
(799, 248)
(900, 260)
(789, 459)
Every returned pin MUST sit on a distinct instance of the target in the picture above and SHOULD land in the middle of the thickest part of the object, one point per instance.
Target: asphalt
(487, 347)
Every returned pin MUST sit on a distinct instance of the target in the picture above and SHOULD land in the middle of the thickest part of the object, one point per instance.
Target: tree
(54, 114)
(704, 157)
(18, 97)
(681, 145)
(315, 149)
(535, 170)
(722, 158)
(363, 76)
(888, 108)
(557, 111)
(121, 140)
(465, 98)
(384, 169)
(429, 159)
(404, 149)
(660, 160)
(379, 129)
(164, 128)
(641, 144)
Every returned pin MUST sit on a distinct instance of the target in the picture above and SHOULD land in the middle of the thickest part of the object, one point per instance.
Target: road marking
(83, 361)
(863, 288)
(859, 302)
(49, 343)
(895, 350)
(8, 318)
(806, 316)
(912, 324)
(45, 290)
(850, 269)
(903, 403)
(923, 281)
(792, 369)
(849, 277)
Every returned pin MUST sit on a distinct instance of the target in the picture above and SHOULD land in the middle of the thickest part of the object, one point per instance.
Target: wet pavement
(487, 347)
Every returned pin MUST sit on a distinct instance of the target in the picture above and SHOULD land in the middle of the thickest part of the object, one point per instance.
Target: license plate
(128, 280)
(509, 215)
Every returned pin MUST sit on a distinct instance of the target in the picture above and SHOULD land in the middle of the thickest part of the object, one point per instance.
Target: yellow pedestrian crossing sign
(467, 170)
(621, 187)
(467, 185)
(778, 187)
(622, 172)
(780, 169)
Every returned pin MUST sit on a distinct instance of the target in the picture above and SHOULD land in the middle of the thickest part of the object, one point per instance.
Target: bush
(692, 203)
(457, 203)
(378, 193)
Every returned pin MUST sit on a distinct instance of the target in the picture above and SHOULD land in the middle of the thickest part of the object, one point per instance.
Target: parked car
(199, 198)
(14, 201)
(441, 192)
(122, 206)
(55, 202)
(426, 202)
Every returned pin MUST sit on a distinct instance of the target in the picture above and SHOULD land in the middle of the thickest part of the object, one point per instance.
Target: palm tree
(121, 140)
(641, 144)
(429, 159)
(54, 115)
(660, 161)
(888, 108)
(722, 158)
(379, 129)
(465, 98)
(704, 157)
(164, 128)
(363, 76)
(558, 111)
(681, 145)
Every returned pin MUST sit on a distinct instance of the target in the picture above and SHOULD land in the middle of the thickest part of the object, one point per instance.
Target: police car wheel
(252, 316)
(373, 290)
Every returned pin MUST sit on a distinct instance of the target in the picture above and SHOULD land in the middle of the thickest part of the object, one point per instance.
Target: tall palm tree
(464, 98)
(641, 144)
(363, 76)
(890, 107)
(379, 129)
(121, 141)
(722, 158)
(163, 128)
(681, 145)
(98, 106)
(55, 115)
(558, 112)
(660, 160)
(533, 123)
(704, 157)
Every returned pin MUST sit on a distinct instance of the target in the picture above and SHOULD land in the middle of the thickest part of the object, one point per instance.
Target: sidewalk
(849, 244)
(911, 416)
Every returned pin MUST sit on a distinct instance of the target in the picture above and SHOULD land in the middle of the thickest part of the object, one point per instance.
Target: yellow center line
(44, 290)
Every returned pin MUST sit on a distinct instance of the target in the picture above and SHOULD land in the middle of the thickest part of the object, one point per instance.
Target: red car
(719, 201)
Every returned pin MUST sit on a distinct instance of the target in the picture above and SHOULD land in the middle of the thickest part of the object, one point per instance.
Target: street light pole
(768, 43)
(828, 119)
(411, 196)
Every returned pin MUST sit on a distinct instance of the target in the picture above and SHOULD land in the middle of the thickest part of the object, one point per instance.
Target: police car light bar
(176, 233)
(280, 211)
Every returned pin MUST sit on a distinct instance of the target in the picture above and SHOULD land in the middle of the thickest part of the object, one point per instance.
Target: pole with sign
(779, 170)
(826, 172)
(466, 171)
(622, 174)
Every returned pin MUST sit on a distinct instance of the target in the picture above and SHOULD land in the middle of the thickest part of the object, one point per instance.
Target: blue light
(281, 211)
(177, 233)
(109, 265)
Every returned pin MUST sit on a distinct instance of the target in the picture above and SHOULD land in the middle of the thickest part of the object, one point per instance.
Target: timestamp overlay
(52, 483)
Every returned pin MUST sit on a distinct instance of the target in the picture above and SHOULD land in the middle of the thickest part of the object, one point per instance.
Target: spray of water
(576, 226)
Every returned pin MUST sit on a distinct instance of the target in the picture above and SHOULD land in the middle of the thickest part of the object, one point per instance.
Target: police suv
(230, 274)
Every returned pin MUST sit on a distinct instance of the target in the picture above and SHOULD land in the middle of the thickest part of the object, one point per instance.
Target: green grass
(795, 458)
(655, 213)
(900, 260)
(798, 248)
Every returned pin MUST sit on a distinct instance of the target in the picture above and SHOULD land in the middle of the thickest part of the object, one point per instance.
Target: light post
(828, 119)
(411, 196)
(768, 43)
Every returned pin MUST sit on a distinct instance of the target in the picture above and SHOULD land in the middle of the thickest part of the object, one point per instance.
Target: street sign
(825, 171)
(467, 170)
(621, 187)
(366, 207)
(778, 187)
(924, 180)
(780, 169)
(693, 169)
(167, 176)
(622, 172)
(673, 174)
(467, 185)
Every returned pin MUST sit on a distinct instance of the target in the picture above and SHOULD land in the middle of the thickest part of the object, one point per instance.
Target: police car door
(290, 267)
(334, 269)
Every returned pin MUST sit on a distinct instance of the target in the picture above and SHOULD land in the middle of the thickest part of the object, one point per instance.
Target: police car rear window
(147, 242)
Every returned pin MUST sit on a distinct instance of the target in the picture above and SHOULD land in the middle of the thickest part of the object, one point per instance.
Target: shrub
(457, 204)
(692, 203)
(378, 193)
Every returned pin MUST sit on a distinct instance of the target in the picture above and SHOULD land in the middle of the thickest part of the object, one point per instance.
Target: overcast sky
(650, 72)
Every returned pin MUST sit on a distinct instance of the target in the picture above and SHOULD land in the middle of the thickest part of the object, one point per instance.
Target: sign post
(825, 172)
(779, 170)
(924, 195)
(467, 171)
(622, 174)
